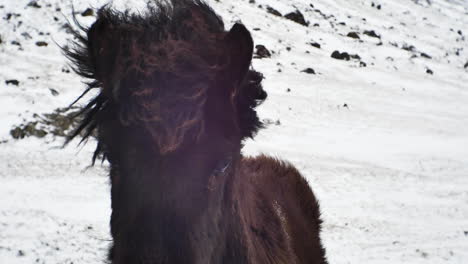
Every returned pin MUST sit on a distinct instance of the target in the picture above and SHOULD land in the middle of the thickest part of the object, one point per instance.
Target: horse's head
(173, 75)
(176, 98)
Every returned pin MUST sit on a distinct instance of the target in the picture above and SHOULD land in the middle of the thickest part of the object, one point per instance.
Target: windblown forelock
(170, 117)
(165, 82)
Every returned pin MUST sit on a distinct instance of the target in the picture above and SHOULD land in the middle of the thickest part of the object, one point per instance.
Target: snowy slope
(384, 146)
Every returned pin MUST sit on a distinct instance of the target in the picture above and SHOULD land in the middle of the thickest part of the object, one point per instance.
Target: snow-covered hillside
(381, 137)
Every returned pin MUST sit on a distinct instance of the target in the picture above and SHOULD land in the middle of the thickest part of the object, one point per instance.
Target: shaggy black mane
(177, 35)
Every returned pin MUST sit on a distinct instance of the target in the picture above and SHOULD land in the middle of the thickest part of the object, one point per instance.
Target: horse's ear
(103, 48)
(240, 49)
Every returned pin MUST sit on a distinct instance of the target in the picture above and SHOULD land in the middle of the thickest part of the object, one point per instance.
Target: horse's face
(177, 88)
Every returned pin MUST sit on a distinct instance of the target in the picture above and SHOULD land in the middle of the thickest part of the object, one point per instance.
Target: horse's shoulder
(274, 179)
(279, 209)
(279, 180)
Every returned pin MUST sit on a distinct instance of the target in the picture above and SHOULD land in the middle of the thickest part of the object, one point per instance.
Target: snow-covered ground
(384, 147)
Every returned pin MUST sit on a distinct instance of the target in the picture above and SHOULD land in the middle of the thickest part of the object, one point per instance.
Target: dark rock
(315, 44)
(340, 56)
(379, 7)
(261, 52)
(297, 17)
(17, 133)
(460, 32)
(12, 15)
(288, 48)
(362, 64)
(355, 56)
(16, 43)
(53, 92)
(273, 11)
(256, 29)
(27, 130)
(34, 4)
(288, 90)
(409, 47)
(429, 71)
(345, 105)
(42, 44)
(309, 71)
(26, 35)
(325, 16)
(268, 122)
(371, 33)
(342, 23)
(88, 12)
(424, 55)
(353, 35)
(1, 41)
(58, 123)
(13, 82)
(466, 65)
(20, 253)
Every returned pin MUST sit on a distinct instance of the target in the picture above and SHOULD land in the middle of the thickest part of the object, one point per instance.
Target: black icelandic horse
(177, 97)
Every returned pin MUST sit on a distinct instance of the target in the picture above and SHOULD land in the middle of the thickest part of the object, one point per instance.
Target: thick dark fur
(177, 98)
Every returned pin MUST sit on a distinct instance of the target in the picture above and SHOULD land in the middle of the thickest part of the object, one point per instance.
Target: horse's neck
(169, 203)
